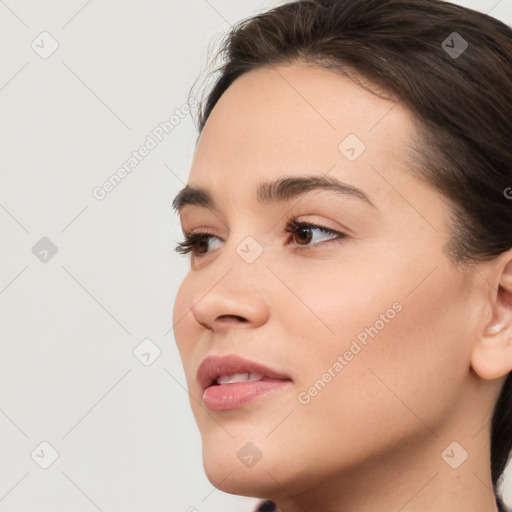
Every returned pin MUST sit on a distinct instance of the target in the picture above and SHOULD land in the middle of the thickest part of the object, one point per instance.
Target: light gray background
(121, 425)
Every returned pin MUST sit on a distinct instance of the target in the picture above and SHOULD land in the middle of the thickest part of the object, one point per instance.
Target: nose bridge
(235, 289)
(246, 248)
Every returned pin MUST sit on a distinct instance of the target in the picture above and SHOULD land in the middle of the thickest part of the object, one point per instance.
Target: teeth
(239, 377)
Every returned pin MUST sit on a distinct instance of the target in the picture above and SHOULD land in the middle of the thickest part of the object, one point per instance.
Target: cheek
(399, 376)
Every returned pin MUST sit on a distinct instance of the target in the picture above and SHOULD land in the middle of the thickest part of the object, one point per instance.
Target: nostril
(223, 317)
(235, 317)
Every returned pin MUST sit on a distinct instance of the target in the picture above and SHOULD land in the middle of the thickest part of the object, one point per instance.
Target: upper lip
(215, 366)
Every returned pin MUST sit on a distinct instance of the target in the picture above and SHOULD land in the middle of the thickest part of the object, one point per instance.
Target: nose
(230, 302)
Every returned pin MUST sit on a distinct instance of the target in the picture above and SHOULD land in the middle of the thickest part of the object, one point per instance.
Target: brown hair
(462, 102)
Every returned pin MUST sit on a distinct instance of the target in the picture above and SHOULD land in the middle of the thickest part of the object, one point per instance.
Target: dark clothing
(268, 506)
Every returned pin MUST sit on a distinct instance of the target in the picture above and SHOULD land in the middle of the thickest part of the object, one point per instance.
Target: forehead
(296, 110)
(301, 119)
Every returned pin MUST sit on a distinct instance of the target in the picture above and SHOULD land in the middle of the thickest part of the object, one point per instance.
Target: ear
(492, 354)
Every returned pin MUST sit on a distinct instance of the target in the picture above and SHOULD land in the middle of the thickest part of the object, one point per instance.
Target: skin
(372, 439)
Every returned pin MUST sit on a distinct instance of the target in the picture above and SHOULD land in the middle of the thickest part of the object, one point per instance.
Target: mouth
(229, 382)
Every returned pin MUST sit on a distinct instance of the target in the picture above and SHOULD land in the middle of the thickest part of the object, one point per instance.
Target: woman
(346, 323)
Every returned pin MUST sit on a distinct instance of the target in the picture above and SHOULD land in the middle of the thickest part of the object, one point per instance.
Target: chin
(224, 466)
(231, 476)
(237, 465)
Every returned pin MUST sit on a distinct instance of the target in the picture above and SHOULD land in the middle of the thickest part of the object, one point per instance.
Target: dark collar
(269, 506)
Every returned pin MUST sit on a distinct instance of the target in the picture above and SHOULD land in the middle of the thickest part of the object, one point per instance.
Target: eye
(305, 230)
(196, 242)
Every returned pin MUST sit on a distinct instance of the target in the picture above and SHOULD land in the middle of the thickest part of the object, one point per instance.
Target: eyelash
(293, 226)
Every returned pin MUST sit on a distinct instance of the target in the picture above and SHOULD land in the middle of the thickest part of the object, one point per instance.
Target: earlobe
(492, 354)
(495, 328)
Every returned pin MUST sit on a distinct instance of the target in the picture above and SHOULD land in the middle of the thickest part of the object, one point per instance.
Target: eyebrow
(282, 189)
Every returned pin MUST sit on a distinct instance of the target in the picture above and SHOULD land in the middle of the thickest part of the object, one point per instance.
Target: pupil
(305, 231)
(203, 244)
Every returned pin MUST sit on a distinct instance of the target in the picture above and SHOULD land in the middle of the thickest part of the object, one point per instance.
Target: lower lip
(231, 396)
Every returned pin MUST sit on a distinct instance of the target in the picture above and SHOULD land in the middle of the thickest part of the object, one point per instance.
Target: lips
(216, 366)
(228, 382)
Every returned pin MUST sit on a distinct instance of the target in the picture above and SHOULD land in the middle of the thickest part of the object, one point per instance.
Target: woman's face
(373, 329)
